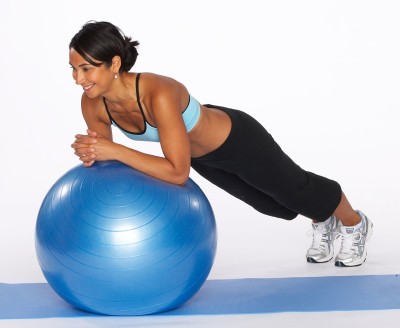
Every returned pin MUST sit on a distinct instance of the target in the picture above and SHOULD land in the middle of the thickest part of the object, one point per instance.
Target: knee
(280, 212)
(316, 206)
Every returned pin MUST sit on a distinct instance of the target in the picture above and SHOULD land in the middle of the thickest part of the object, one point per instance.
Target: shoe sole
(311, 260)
(342, 265)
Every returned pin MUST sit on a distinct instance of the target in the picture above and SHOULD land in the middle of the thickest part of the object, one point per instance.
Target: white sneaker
(353, 250)
(323, 233)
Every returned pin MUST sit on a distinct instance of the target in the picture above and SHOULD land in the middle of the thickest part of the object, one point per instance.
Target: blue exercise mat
(231, 296)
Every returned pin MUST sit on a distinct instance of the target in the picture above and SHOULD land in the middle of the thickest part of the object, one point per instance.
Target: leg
(253, 156)
(345, 213)
(263, 165)
(243, 191)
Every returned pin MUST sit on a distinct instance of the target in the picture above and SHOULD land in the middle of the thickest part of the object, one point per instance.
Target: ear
(116, 64)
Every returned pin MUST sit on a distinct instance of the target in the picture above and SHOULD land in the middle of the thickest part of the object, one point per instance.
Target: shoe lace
(349, 242)
(319, 235)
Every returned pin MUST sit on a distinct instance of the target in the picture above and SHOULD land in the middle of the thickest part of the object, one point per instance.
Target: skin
(163, 100)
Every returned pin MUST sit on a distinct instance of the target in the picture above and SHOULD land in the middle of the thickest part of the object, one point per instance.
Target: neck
(121, 89)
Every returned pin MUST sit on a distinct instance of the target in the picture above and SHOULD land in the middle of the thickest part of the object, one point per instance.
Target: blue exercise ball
(112, 240)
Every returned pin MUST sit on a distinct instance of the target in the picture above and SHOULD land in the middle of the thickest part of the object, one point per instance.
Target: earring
(115, 76)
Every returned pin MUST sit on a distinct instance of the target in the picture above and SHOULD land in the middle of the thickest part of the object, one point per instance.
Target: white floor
(241, 256)
(388, 319)
(321, 75)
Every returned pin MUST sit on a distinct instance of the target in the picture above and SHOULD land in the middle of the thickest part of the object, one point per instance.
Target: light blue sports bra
(190, 116)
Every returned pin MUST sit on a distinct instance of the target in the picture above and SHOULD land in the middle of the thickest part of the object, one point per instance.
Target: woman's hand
(84, 147)
(93, 147)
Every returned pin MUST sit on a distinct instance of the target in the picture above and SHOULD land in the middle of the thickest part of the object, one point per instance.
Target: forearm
(155, 166)
(92, 147)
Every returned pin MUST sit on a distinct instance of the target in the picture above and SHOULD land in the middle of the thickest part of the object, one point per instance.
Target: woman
(226, 146)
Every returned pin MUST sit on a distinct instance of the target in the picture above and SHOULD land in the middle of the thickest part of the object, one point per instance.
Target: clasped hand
(90, 147)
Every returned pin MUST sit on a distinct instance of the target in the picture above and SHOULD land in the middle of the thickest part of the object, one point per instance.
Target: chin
(90, 94)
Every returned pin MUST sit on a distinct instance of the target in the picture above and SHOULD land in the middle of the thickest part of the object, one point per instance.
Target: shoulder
(162, 96)
(162, 93)
(158, 85)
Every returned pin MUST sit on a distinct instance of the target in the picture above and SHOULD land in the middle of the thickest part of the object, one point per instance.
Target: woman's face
(95, 80)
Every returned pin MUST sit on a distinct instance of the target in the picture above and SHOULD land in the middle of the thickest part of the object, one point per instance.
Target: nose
(78, 77)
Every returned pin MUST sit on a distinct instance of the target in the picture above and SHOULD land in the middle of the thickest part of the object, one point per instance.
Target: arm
(165, 106)
(174, 167)
(97, 126)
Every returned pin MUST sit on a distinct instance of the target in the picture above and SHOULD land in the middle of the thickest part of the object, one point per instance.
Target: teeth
(87, 87)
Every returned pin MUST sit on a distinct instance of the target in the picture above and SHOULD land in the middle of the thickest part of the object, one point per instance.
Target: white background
(322, 76)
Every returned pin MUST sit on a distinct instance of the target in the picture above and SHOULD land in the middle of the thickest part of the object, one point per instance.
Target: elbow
(180, 178)
(182, 182)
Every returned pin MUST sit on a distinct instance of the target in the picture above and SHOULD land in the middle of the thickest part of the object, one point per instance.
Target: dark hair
(102, 41)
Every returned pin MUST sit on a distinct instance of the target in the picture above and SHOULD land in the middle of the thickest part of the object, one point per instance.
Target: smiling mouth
(87, 87)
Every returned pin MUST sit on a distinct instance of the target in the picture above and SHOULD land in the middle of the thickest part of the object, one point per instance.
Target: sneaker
(353, 251)
(323, 233)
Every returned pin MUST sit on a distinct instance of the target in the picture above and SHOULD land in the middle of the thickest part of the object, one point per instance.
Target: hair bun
(130, 52)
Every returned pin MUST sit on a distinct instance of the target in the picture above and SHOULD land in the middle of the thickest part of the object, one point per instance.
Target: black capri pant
(252, 167)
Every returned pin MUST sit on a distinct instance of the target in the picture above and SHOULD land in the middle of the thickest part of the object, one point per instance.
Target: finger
(87, 164)
(91, 133)
(86, 158)
(84, 152)
(85, 140)
(79, 145)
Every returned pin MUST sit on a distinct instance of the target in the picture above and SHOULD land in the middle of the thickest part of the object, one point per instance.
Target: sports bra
(190, 116)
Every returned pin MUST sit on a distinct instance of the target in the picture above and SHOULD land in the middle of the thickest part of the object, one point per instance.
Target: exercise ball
(112, 240)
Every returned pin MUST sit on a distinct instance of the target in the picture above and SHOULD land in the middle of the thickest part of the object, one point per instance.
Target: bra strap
(138, 98)
(108, 112)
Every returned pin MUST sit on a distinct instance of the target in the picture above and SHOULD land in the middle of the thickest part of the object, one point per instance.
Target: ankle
(351, 220)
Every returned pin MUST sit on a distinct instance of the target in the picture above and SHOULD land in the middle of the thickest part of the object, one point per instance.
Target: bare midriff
(210, 132)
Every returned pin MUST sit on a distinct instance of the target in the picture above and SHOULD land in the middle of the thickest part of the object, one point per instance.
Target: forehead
(77, 60)
(75, 57)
